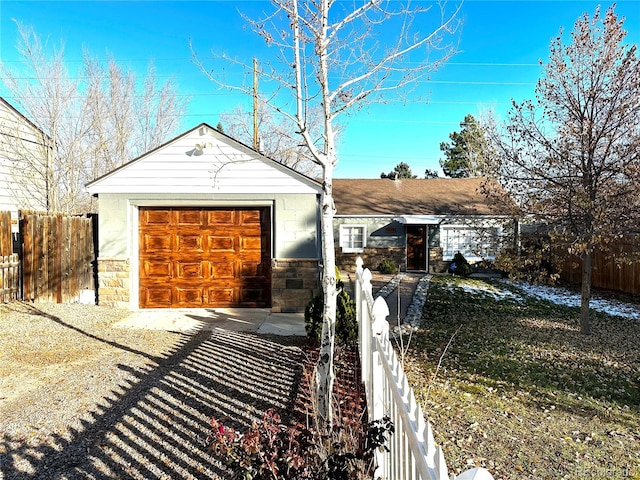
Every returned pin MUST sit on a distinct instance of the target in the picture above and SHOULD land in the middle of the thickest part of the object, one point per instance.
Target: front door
(416, 247)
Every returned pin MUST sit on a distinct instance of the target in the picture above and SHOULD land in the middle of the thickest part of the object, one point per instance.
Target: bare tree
(96, 119)
(126, 120)
(338, 56)
(277, 135)
(571, 159)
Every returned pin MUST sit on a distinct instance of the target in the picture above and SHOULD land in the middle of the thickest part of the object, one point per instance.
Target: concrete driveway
(191, 320)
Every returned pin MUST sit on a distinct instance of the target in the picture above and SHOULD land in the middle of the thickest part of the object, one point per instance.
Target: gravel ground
(80, 399)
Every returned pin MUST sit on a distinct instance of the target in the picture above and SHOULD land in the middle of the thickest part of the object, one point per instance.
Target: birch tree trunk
(325, 370)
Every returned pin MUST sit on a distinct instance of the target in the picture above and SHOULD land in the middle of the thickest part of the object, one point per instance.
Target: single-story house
(25, 150)
(418, 224)
(206, 221)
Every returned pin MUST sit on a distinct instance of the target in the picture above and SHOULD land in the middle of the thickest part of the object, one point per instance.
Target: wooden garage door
(204, 257)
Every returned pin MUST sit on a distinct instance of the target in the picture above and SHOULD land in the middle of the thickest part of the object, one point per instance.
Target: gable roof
(203, 160)
(432, 196)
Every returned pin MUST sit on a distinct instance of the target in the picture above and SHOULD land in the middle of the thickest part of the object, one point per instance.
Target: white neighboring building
(24, 153)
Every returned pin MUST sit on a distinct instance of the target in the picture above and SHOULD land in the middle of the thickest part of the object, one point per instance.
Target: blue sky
(499, 47)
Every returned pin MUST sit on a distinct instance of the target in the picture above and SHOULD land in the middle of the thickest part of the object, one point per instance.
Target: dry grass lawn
(521, 391)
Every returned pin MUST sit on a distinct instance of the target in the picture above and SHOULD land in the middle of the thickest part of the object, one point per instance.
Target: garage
(204, 257)
(204, 221)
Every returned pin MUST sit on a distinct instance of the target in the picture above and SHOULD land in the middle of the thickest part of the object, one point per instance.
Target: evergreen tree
(469, 151)
(402, 170)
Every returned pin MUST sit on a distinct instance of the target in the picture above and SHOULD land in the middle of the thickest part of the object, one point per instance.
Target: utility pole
(256, 140)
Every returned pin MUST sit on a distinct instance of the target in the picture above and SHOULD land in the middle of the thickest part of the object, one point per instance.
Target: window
(352, 238)
(474, 243)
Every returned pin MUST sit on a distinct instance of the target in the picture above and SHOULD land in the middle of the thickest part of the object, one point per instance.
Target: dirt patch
(46, 350)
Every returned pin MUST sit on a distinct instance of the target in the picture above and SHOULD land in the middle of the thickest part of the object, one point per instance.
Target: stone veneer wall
(436, 263)
(113, 282)
(293, 283)
(372, 258)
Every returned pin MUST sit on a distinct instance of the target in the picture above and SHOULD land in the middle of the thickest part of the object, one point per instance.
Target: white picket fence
(413, 453)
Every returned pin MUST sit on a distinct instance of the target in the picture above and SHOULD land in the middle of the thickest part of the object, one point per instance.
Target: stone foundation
(294, 283)
(436, 263)
(113, 282)
(372, 258)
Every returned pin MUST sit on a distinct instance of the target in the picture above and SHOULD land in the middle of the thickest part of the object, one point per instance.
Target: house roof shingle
(433, 196)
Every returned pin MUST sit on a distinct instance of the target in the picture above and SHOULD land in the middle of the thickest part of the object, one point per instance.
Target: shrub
(460, 266)
(346, 324)
(388, 267)
(269, 450)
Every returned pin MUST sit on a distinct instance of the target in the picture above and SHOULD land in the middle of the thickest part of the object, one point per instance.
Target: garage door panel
(190, 270)
(221, 297)
(157, 269)
(222, 270)
(250, 217)
(190, 257)
(250, 269)
(221, 217)
(251, 243)
(189, 217)
(158, 296)
(153, 243)
(251, 296)
(249, 256)
(190, 243)
(220, 244)
(188, 298)
(157, 217)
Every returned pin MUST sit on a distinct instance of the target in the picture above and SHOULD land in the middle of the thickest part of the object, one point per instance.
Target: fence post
(367, 337)
(379, 338)
(359, 310)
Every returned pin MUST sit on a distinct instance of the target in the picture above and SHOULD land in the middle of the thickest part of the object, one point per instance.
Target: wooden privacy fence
(6, 237)
(413, 453)
(607, 272)
(9, 278)
(56, 261)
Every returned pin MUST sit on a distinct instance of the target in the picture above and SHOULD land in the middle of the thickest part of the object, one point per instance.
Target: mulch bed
(349, 395)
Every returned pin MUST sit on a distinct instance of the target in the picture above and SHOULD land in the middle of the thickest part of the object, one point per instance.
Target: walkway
(404, 292)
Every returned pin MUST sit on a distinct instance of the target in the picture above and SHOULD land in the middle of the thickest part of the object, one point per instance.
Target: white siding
(21, 145)
(221, 166)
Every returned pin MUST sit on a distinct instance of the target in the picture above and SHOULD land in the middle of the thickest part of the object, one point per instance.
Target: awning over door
(419, 220)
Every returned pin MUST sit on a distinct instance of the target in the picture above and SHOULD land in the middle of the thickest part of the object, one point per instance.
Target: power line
(176, 77)
(155, 60)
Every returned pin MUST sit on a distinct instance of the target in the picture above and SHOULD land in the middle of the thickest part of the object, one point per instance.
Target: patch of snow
(562, 296)
(475, 287)
(557, 295)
